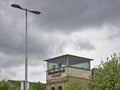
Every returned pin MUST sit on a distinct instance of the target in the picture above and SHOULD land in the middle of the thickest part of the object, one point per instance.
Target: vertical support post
(26, 86)
(26, 57)
(68, 61)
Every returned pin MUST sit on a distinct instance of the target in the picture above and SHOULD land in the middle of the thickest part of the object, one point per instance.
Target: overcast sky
(88, 28)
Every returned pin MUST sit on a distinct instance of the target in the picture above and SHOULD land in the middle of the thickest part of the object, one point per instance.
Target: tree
(107, 75)
(36, 86)
(4, 85)
(74, 85)
(16, 86)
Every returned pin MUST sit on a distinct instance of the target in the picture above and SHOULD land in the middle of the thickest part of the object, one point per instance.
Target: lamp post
(26, 38)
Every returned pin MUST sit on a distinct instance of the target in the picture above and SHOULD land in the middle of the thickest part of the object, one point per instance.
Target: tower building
(62, 69)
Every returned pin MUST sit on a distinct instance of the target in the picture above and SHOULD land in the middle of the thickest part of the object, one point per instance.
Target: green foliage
(36, 86)
(74, 85)
(107, 75)
(4, 85)
(17, 86)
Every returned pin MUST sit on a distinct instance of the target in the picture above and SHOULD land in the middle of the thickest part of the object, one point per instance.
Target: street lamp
(26, 56)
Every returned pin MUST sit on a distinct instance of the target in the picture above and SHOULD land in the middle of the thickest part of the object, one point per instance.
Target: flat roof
(68, 55)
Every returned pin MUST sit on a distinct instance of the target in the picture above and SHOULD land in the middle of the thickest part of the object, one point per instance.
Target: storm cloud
(82, 27)
(68, 15)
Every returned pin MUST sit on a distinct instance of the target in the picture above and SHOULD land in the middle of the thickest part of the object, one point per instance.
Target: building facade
(62, 69)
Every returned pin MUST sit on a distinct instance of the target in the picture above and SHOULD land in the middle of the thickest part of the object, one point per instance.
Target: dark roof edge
(68, 55)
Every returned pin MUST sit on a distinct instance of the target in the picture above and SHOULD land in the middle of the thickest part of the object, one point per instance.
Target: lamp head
(19, 7)
(16, 6)
(35, 12)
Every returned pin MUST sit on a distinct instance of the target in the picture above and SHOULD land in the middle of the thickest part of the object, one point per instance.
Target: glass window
(79, 63)
(69, 61)
(59, 62)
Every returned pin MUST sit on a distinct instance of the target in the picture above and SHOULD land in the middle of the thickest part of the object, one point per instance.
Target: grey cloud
(50, 32)
(115, 33)
(11, 36)
(114, 36)
(7, 60)
(83, 44)
(7, 74)
(67, 15)
(40, 46)
(57, 16)
(61, 15)
(80, 44)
